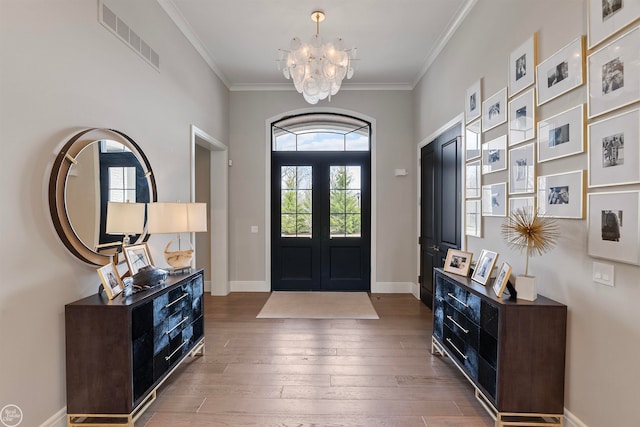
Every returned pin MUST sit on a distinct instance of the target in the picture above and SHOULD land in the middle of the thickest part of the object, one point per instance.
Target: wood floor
(303, 373)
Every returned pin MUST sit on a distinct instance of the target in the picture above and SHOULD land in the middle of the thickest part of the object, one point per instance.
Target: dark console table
(120, 351)
(512, 352)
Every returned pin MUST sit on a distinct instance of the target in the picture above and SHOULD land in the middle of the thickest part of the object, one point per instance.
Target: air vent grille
(120, 29)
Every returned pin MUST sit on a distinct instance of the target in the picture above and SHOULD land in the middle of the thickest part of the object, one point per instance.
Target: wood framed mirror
(95, 166)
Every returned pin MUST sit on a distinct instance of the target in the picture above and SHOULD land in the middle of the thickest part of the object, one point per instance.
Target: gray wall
(62, 71)
(603, 337)
(203, 195)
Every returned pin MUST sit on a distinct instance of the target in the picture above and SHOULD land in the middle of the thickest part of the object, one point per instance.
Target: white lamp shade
(125, 218)
(169, 217)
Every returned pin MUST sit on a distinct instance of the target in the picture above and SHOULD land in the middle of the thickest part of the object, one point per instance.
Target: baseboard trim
(392, 288)
(59, 419)
(571, 420)
(247, 286)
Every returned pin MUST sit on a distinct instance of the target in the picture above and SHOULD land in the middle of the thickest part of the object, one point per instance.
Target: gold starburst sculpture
(526, 229)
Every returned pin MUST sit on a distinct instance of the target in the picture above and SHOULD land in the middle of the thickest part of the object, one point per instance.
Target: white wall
(603, 336)
(62, 71)
(395, 196)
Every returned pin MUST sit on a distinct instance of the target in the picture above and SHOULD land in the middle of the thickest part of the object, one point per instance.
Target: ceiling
(397, 40)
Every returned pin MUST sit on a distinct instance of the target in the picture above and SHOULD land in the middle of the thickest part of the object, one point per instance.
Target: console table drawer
(462, 351)
(460, 299)
(461, 326)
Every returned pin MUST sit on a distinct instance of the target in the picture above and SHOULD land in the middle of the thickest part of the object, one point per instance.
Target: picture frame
(494, 199)
(561, 72)
(494, 155)
(502, 279)
(473, 218)
(494, 110)
(137, 257)
(472, 175)
(473, 140)
(522, 117)
(614, 226)
(562, 135)
(522, 169)
(613, 74)
(611, 161)
(528, 203)
(607, 19)
(522, 65)
(111, 281)
(484, 266)
(458, 262)
(562, 195)
(473, 101)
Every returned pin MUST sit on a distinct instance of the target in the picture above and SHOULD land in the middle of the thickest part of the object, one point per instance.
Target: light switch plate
(603, 273)
(254, 228)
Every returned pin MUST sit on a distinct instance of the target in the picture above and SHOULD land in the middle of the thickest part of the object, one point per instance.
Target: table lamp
(126, 219)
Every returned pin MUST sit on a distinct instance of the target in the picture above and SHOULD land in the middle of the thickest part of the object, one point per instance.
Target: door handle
(434, 248)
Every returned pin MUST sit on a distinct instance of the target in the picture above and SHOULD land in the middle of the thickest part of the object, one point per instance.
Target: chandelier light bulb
(317, 69)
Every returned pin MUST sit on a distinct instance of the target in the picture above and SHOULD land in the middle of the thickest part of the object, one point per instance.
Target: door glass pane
(295, 201)
(345, 191)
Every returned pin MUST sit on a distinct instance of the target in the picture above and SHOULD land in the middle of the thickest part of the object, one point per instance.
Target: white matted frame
(522, 118)
(522, 65)
(473, 174)
(494, 155)
(608, 17)
(137, 257)
(494, 110)
(614, 150)
(473, 140)
(501, 280)
(562, 135)
(458, 262)
(614, 226)
(110, 279)
(494, 199)
(473, 218)
(484, 266)
(522, 169)
(473, 101)
(562, 195)
(528, 203)
(613, 74)
(561, 72)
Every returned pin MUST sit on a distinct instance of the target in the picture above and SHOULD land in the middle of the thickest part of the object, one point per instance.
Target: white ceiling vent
(120, 29)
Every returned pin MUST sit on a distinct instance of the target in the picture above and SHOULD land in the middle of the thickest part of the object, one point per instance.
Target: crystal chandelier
(317, 69)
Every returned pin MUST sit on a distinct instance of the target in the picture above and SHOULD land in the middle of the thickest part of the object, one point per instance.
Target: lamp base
(182, 270)
(178, 259)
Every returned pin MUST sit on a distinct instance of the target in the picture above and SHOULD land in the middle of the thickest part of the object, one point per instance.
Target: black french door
(320, 221)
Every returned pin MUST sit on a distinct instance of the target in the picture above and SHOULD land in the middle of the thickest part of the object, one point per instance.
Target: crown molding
(344, 87)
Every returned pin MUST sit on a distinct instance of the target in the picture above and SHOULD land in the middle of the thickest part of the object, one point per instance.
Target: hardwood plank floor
(316, 372)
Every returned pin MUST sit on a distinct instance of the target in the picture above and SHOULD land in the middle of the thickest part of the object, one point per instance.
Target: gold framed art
(458, 262)
(110, 279)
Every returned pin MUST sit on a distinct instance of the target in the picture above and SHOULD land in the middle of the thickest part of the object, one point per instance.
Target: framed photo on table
(137, 256)
(494, 199)
(501, 280)
(494, 110)
(561, 135)
(522, 169)
(473, 140)
(473, 101)
(561, 72)
(562, 195)
(111, 281)
(614, 74)
(522, 65)
(606, 17)
(614, 226)
(458, 262)
(614, 150)
(494, 155)
(522, 118)
(484, 266)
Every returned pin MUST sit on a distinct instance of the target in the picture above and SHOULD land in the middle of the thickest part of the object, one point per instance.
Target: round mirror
(95, 167)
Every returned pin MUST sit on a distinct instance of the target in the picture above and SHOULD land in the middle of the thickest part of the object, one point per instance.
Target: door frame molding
(426, 141)
(267, 211)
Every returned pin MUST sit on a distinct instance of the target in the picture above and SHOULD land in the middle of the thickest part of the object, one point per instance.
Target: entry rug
(318, 305)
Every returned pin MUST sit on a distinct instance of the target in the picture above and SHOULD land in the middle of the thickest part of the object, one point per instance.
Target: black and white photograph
(110, 279)
(522, 63)
(606, 17)
(613, 157)
(484, 266)
(494, 155)
(501, 280)
(522, 120)
(473, 140)
(562, 135)
(473, 102)
(561, 72)
(458, 262)
(614, 226)
(494, 110)
(473, 218)
(562, 195)
(613, 74)
(494, 199)
(522, 169)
